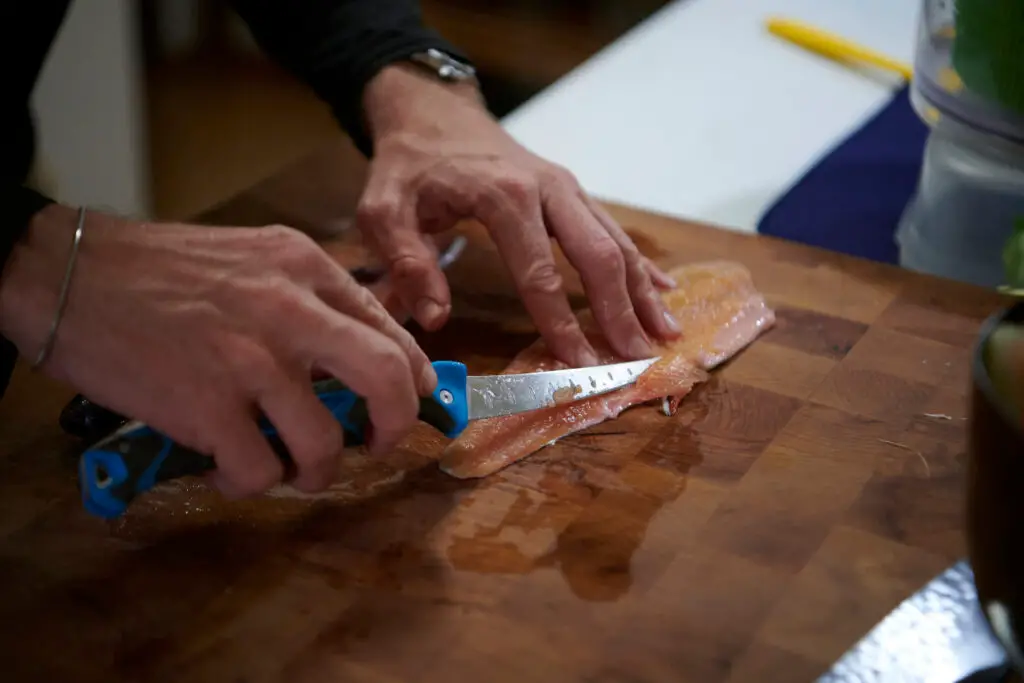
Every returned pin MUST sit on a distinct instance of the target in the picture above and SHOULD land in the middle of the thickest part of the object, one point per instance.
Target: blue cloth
(851, 201)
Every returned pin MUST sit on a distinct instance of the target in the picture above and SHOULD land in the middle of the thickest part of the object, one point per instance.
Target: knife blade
(134, 458)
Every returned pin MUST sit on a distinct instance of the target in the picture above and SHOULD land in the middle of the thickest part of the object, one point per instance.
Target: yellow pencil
(830, 45)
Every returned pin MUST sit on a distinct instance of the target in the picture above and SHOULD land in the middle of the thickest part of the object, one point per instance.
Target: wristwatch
(444, 66)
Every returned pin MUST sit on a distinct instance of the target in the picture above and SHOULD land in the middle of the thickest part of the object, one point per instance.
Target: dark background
(221, 116)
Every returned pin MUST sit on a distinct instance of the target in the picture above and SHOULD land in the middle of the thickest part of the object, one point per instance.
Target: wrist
(31, 281)
(401, 98)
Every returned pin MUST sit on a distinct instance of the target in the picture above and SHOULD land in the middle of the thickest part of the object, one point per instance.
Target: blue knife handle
(133, 460)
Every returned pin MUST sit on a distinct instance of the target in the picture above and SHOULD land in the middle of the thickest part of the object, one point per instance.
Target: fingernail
(640, 348)
(672, 323)
(588, 359)
(428, 310)
(428, 379)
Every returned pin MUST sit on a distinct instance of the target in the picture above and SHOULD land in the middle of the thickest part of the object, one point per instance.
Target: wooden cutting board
(797, 497)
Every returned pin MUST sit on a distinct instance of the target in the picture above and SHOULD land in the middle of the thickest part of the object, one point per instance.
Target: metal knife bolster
(499, 395)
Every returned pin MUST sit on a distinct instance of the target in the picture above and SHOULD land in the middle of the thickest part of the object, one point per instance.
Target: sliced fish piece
(720, 311)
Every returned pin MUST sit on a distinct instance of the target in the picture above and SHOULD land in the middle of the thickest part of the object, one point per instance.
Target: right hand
(195, 330)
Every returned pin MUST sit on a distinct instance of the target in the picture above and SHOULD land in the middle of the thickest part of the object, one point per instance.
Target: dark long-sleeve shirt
(335, 46)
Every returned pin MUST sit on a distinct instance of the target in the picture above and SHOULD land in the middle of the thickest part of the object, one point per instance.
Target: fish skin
(720, 312)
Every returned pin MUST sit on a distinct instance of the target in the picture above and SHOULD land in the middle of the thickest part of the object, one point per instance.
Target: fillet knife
(134, 458)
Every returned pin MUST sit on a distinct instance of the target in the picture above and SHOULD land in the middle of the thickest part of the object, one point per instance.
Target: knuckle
(250, 362)
(623, 317)
(285, 238)
(376, 211)
(308, 259)
(279, 233)
(519, 187)
(629, 249)
(560, 175)
(608, 257)
(542, 278)
(566, 329)
(283, 306)
(296, 252)
(410, 267)
(372, 309)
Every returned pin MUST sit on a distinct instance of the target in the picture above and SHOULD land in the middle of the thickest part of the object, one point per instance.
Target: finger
(384, 291)
(341, 292)
(649, 305)
(372, 365)
(389, 299)
(311, 433)
(246, 465)
(603, 269)
(517, 228)
(387, 218)
(659, 277)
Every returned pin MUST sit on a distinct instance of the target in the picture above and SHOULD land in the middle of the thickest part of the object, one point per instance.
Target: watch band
(444, 66)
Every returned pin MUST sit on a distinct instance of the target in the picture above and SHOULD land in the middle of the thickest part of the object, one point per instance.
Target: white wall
(89, 110)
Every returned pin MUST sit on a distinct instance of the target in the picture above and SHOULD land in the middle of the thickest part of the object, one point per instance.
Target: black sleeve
(337, 46)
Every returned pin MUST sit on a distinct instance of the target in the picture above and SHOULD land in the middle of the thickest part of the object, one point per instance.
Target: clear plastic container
(969, 196)
(969, 66)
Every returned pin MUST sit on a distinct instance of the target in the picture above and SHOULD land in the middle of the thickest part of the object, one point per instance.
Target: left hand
(440, 157)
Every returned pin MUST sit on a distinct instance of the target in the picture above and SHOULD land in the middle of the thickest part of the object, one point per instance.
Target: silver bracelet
(64, 288)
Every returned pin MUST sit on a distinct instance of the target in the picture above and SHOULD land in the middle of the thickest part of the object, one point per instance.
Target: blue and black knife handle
(135, 458)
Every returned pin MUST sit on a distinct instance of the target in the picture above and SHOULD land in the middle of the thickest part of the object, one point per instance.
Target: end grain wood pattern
(797, 497)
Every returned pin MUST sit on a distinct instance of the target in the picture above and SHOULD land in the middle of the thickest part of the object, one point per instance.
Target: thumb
(388, 222)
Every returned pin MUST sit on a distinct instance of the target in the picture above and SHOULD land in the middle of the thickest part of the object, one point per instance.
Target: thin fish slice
(720, 311)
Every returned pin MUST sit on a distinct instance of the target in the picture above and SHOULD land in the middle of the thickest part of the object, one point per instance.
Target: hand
(439, 158)
(195, 330)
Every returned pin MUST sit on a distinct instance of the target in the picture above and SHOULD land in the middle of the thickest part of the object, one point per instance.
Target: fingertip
(378, 445)
(659, 277)
(657, 320)
(663, 280)
(653, 311)
(430, 314)
(670, 326)
(577, 352)
(428, 380)
(587, 358)
(573, 348)
(316, 479)
(226, 486)
(261, 475)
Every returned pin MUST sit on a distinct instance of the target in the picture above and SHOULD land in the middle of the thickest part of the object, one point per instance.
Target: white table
(700, 113)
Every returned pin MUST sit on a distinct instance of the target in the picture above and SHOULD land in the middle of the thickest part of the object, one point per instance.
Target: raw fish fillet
(720, 312)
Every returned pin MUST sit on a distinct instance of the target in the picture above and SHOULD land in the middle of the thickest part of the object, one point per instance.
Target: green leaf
(986, 50)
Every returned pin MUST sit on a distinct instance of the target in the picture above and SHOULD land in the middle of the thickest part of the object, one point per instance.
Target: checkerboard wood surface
(813, 483)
